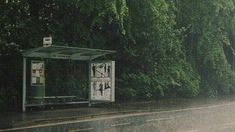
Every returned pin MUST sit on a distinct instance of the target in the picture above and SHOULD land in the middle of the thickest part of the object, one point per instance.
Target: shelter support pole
(89, 81)
(24, 85)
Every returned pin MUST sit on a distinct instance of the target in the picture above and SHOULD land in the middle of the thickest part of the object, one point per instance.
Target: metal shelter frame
(59, 52)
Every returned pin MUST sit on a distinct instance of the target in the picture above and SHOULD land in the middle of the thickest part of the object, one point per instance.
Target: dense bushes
(164, 48)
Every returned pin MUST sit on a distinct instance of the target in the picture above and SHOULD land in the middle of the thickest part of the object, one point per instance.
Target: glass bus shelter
(101, 73)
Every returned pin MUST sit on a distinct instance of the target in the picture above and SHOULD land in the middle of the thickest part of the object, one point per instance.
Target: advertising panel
(102, 81)
(37, 73)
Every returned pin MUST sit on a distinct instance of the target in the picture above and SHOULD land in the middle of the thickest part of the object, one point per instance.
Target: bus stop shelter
(66, 53)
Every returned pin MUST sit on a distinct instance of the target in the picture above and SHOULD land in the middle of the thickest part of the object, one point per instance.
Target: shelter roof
(65, 52)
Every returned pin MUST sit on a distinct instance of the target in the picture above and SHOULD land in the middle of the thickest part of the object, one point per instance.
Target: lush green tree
(164, 47)
(155, 62)
(81, 23)
(14, 17)
(208, 42)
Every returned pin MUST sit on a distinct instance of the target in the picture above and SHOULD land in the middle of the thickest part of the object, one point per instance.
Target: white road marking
(116, 116)
(194, 131)
(230, 124)
(224, 126)
(159, 119)
(85, 129)
(194, 108)
(220, 126)
(121, 124)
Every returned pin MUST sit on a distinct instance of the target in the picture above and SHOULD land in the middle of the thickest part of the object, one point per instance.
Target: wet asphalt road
(219, 117)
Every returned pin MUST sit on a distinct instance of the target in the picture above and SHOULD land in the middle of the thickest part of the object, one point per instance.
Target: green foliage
(156, 62)
(81, 23)
(210, 21)
(13, 19)
(164, 47)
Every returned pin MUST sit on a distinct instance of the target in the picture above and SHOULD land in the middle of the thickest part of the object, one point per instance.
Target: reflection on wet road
(213, 117)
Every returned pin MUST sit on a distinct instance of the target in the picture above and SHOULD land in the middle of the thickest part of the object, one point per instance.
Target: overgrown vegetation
(164, 48)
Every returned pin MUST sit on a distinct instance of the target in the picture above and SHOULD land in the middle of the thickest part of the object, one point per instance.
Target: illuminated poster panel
(102, 81)
(37, 73)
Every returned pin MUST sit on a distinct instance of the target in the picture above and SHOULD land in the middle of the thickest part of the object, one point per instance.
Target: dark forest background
(165, 48)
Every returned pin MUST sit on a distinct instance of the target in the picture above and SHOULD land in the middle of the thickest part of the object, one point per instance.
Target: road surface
(218, 117)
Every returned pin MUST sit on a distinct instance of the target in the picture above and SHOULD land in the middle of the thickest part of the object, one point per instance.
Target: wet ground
(204, 114)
